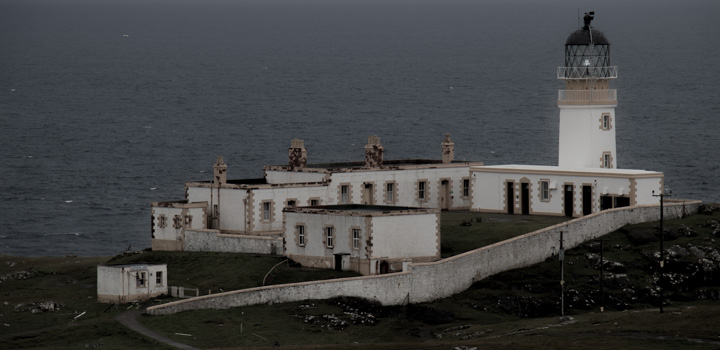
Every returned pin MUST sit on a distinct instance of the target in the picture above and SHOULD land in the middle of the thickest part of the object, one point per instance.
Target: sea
(109, 105)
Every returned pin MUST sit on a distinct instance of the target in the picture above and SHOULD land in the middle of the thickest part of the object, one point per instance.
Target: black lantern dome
(589, 49)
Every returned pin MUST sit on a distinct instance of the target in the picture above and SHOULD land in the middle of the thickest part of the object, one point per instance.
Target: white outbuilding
(126, 283)
(368, 239)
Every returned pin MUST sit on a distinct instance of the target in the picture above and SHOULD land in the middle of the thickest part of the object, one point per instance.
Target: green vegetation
(69, 283)
(512, 310)
(465, 231)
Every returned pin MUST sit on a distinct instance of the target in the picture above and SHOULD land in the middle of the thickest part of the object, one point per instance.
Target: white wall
(119, 283)
(232, 215)
(406, 236)
(406, 181)
(278, 196)
(489, 189)
(315, 234)
(285, 177)
(169, 232)
(582, 141)
(213, 241)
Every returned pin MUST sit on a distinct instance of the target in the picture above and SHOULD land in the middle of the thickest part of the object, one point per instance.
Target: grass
(498, 312)
(69, 282)
(465, 231)
(492, 312)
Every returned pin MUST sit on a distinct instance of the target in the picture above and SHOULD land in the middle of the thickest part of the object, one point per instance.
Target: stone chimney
(448, 150)
(220, 172)
(297, 155)
(374, 153)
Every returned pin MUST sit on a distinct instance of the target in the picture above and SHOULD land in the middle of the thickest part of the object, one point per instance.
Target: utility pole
(662, 249)
(561, 255)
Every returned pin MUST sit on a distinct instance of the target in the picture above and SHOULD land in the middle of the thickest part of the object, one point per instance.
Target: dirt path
(129, 320)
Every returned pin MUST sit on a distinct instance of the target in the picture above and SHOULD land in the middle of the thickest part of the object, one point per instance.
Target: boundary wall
(429, 281)
(213, 241)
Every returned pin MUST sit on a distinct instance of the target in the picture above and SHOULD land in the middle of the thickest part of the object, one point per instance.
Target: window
(291, 203)
(158, 278)
(266, 211)
(607, 160)
(466, 187)
(544, 190)
(188, 220)
(390, 192)
(421, 190)
(163, 221)
(300, 229)
(356, 238)
(329, 235)
(177, 221)
(314, 202)
(140, 279)
(344, 194)
(215, 210)
(605, 121)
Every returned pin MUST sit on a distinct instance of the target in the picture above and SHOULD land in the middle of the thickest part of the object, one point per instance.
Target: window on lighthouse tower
(606, 160)
(606, 121)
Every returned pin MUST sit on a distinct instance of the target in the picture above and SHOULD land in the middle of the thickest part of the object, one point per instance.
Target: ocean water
(108, 105)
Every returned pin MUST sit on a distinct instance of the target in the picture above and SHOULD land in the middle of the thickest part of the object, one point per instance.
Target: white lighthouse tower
(587, 104)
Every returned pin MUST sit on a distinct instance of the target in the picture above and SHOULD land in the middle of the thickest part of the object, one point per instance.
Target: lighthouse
(587, 104)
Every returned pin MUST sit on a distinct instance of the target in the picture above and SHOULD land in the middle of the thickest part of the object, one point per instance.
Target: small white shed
(130, 282)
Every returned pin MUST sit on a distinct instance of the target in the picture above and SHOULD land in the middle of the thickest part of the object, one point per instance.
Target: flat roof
(386, 164)
(257, 181)
(550, 169)
(360, 209)
(136, 265)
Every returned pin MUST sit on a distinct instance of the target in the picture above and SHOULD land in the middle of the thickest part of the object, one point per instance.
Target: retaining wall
(213, 241)
(443, 278)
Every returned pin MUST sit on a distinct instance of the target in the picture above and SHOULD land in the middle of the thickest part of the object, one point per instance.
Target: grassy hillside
(516, 309)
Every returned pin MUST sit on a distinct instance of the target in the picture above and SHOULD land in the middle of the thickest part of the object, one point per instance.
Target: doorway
(525, 198)
(338, 262)
(444, 195)
(510, 198)
(368, 194)
(384, 267)
(568, 199)
(587, 199)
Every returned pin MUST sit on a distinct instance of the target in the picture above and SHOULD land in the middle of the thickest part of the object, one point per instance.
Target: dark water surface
(106, 105)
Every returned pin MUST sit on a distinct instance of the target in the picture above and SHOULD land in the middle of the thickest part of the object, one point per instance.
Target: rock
(677, 251)
(707, 209)
(641, 237)
(686, 231)
(20, 275)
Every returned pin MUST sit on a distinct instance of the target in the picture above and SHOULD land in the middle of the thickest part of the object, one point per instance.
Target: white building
(368, 239)
(130, 282)
(586, 179)
(254, 207)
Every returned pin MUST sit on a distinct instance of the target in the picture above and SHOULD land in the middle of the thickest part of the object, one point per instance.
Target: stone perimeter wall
(213, 241)
(429, 281)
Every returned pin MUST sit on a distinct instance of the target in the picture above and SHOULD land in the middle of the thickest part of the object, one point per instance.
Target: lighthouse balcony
(587, 72)
(581, 97)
